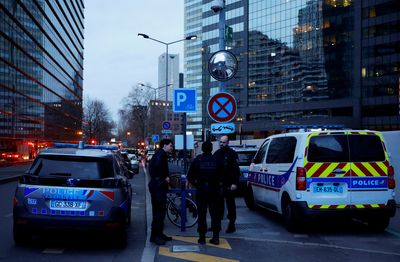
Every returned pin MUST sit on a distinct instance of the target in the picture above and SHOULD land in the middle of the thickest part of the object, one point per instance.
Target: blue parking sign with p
(184, 100)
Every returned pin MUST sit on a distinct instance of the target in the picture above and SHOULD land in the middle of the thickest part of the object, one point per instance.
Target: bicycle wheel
(174, 209)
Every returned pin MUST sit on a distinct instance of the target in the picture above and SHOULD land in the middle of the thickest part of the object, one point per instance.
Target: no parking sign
(222, 107)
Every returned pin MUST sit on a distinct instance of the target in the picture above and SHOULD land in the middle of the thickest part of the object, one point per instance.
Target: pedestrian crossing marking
(192, 256)
(223, 243)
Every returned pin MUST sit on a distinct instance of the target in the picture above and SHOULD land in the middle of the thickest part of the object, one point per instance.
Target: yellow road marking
(192, 256)
(223, 243)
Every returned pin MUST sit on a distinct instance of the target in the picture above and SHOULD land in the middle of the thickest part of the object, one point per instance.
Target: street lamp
(191, 37)
(155, 89)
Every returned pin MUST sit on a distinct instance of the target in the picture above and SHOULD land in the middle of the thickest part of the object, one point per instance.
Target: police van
(343, 172)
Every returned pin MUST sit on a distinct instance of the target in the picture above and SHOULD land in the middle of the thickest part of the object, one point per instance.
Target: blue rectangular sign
(155, 138)
(184, 100)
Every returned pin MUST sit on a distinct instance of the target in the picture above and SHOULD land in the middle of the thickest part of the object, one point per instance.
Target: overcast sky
(115, 58)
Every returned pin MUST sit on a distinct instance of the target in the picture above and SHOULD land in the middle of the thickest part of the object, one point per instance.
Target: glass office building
(322, 62)
(41, 73)
(202, 21)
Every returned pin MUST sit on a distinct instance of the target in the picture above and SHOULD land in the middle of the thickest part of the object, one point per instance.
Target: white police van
(342, 172)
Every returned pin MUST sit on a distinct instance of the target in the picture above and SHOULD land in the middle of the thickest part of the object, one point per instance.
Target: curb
(149, 251)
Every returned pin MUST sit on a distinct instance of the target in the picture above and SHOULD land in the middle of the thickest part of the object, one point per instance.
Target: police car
(245, 156)
(73, 187)
(343, 172)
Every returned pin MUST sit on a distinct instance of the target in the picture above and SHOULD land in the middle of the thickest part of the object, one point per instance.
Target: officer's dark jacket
(159, 165)
(203, 171)
(228, 166)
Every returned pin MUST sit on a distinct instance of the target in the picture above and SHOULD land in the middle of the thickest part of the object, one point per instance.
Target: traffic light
(92, 141)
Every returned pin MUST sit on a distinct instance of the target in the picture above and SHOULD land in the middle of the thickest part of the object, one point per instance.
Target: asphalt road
(75, 246)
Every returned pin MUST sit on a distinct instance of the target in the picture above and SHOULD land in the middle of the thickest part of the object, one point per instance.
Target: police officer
(228, 167)
(203, 175)
(158, 187)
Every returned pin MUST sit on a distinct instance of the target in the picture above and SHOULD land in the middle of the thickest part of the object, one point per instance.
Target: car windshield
(245, 157)
(71, 166)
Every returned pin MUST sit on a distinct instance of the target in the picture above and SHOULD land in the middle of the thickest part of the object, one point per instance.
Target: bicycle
(174, 204)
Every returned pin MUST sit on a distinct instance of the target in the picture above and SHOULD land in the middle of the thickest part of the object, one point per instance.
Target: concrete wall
(392, 141)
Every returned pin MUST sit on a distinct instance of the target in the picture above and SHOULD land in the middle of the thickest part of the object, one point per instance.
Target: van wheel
(378, 223)
(290, 215)
(249, 198)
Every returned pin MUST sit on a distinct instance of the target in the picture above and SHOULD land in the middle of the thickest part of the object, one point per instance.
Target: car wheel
(20, 237)
(290, 215)
(249, 198)
(378, 223)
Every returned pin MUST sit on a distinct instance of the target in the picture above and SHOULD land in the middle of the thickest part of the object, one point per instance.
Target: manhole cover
(185, 248)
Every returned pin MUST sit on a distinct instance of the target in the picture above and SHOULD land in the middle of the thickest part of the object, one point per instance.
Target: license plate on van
(329, 189)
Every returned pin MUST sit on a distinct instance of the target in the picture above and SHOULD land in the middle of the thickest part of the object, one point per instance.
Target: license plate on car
(328, 189)
(67, 205)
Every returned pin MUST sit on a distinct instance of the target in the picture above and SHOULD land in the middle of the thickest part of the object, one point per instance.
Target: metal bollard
(183, 207)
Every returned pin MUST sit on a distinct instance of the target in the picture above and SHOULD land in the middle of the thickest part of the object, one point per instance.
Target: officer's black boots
(231, 228)
(215, 239)
(165, 237)
(157, 240)
(202, 239)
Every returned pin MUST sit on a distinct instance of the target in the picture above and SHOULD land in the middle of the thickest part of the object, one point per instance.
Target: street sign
(185, 100)
(179, 142)
(222, 107)
(166, 125)
(164, 131)
(223, 128)
(155, 138)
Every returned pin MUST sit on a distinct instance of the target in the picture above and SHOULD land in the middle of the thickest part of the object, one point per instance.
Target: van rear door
(328, 170)
(369, 170)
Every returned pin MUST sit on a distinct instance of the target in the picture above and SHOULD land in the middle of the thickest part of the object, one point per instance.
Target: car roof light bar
(81, 145)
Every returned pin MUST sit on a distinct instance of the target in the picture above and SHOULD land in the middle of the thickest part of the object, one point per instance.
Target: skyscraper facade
(173, 75)
(303, 62)
(41, 73)
(202, 21)
(323, 62)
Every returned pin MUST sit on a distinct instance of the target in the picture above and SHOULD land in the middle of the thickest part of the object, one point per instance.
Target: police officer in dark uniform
(203, 175)
(158, 187)
(228, 167)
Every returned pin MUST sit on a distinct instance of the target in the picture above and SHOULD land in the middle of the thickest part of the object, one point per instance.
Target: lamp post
(155, 89)
(191, 37)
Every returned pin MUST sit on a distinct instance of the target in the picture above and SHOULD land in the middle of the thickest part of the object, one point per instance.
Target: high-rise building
(173, 75)
(303, 62)
(323, 62)
(41, 73)
(202, 21)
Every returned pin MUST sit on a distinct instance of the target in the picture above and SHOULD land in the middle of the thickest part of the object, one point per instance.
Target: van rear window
(73, 167)
(345, 148)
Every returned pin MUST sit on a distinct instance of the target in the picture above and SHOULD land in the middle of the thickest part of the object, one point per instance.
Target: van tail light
(391, 181)
(301, 178)
(15, 202)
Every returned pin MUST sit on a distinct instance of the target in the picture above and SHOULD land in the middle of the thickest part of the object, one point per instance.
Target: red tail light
(301, 178)
(15, 201)
(391, 181)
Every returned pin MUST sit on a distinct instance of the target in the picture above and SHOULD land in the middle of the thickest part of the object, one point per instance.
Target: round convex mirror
(222, 65)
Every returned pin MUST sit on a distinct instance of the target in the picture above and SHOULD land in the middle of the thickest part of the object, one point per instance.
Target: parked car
(73, 189)
(245, 157)
(134, 163)
(342, 172)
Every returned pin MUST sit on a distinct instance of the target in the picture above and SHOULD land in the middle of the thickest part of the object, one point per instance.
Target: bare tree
(98, 123)
(133, 116)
